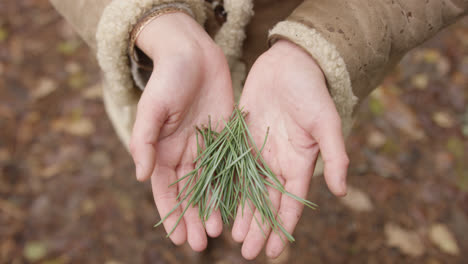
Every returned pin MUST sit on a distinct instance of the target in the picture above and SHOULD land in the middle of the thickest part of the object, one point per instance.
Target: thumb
(332, 149)
(151, 116)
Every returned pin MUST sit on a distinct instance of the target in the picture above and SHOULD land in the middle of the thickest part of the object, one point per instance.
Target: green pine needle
(229, 171)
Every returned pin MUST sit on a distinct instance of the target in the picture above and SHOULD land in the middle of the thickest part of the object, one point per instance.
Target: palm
(292, 100)
(189, 84)
(177, 147)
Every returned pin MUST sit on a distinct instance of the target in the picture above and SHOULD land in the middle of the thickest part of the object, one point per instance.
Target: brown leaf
(88, 206)
(407, 241)
(398, 113)
(443, 238)
(376, 139)
(384, 166)
(420, 81)
(45, 87)
(51, 170)
(3, 34)
(443, 119)
(74, 125)
(93, 92)
(34, 251)
(357, 200)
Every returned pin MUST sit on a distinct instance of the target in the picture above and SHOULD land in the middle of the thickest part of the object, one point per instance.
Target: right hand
(190, 82)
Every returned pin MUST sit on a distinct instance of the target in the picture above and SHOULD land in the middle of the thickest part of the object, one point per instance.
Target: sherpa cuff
(152, 15)
(141, 64)
(113, 38)
(329, 60)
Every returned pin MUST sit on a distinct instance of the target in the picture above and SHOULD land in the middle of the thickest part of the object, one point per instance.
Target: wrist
(170, 31)
(289, 51)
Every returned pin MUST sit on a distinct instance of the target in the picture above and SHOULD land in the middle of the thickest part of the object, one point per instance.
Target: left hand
(286, 91)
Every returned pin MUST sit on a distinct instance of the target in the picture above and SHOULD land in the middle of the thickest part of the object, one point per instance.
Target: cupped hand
(286, 91)
(189, 83)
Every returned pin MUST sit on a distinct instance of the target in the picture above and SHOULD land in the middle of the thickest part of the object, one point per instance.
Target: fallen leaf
(45, 87)
(88, 206)
(443, 119)
(77, 80)
(456, 147)
(73, 67)
(407, 241)
(51, 170)
(376, 139)
(441, 236)
(383, 166)
(375, 106)
(357, 200)
(68, 47)
(431, 55)
(113, 262)
(3, 34)
(398, 113)
(34, 251)
(420, 81)
(74, 126)
(93, 92)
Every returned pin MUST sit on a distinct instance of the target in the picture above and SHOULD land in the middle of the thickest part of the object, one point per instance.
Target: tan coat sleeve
(106, 25)
(356, 42)
(83, 15)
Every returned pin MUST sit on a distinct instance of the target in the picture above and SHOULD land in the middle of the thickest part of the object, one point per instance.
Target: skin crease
(285, 90)
(190, 74)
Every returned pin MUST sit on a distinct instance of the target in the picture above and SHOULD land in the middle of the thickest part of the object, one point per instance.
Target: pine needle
(230, 170)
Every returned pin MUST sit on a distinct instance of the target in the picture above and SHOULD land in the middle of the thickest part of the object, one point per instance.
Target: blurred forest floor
(68, 192)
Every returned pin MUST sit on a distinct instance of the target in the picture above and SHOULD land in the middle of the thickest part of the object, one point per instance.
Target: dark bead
(220, 14)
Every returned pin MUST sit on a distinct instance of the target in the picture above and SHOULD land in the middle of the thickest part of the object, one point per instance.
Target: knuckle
(290, 213)
(165, 196)
(338, 161)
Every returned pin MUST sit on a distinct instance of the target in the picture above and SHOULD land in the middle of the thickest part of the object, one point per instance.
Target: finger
(214, 224)
(150, 117)
(165, 199)
(244, 216)
(196, 236)
(258, 231)
(242, 222)
(333, 151)
(289, 213)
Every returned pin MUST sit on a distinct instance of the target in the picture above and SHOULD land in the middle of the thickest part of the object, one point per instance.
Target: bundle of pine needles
(229, 171)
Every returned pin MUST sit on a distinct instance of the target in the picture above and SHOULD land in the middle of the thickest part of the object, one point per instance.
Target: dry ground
(67, 187)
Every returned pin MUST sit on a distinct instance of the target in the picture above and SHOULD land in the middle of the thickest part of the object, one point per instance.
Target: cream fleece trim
(113, 33)
(230, 38)
(330, 61)
(231, 35)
